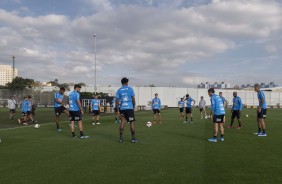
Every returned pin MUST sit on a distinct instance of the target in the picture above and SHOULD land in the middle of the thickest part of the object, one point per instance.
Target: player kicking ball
(217, 115)
(59, 108)
(126, 97)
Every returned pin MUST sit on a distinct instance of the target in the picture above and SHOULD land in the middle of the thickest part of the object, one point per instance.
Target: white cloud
(151, 43)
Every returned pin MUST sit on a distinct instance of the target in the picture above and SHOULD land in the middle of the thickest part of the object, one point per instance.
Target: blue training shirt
(73, 97)
(261, 96)
(223, 99)
(28, 105)
(189, 102)
(156, 103)
(217, 105)
(24, 105)
(237, 103)
(125, 94)
(58, 95)
(95, 103)
(181, 104)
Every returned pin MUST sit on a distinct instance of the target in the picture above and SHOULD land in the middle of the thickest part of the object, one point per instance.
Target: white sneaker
(93, 123)
(98, 123)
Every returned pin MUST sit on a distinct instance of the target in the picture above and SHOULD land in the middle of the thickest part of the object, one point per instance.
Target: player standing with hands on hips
(261, 112)
(125, 97)
(156, 107)
(217, 115)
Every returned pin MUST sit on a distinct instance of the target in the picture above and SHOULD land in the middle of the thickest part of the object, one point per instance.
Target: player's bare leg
(159, 118)
(155, 119)
(132, 129)
(121, 129)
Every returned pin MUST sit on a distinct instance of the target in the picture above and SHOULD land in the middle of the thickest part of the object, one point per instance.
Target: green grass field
(171, 153)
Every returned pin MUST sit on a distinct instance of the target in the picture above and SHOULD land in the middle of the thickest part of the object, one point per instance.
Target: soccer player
(126, 96)
(116, 110)
(181, 105)
(156, 107)
(95, 109)
(189, 105)
(202, 107)
(217, 114)
(12, 106)
(76, 112)
(236, 110)
(224, 101)
(261, 111)
(24, 112)
(28, 111)
(59, 108)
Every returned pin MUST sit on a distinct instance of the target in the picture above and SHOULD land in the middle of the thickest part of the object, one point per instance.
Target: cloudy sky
(162, 42)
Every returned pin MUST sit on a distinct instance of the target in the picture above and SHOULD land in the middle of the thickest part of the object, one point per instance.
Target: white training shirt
(202, 104)
(12, 104)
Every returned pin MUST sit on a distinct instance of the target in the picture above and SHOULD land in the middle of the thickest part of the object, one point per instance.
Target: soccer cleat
(116, 122)
(238, 127)
(185, 122)
(74, 136)
(134, 141)
(98, 123)
(93, 123)
(120, 140)
(229, 126)
(212, 139)
(84, 137)
(221, 139)
(262, 134)
(59, 130)
(191, 122)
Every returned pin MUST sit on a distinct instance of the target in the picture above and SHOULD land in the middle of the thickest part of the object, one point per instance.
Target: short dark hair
(77, 86)
(62, 89)
(124, 80)
(29, 97)
(211, 90)
(187, 95)
(156, 94)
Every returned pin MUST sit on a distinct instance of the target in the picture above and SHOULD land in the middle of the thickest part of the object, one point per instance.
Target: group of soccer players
(124, 105)
(218, 105)
(28, 111)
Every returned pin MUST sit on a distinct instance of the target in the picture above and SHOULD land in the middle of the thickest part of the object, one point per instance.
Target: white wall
(170, 95)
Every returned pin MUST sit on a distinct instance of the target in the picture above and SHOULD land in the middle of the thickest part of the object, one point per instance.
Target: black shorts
(13, 111)
(24, 114)
(201, 109)
(59, 110)
(181, 109)
(236, 113)
(75, 116)
(95, 112)
(116, 109)
(188, 110)
(218, 118)
(156, 111)
(128, 114)
(262, 114)
(28, 113)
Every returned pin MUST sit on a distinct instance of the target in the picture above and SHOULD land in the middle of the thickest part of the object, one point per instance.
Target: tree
(21, 83)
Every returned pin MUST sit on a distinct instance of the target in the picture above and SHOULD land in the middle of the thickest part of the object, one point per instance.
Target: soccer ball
(206, 117)
(36, 126)
(247, 115)
(209, 116)
(149, 124)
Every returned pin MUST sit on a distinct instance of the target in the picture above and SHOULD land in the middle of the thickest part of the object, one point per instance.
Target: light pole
(95, 80)
(13, 66)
